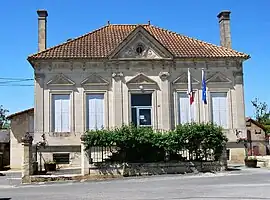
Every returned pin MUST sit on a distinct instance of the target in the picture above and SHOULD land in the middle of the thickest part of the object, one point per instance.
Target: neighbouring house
(257, 137)
(20, 123)
(4, 148)
(118, 74)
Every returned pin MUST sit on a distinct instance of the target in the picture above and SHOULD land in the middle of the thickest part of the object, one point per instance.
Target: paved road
(244, 184)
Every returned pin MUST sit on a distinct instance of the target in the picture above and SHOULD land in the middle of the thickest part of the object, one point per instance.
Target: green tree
(262, 113)
(3, 117)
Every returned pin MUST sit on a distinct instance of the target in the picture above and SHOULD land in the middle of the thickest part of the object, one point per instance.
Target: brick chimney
(224, 28)
(42, 29)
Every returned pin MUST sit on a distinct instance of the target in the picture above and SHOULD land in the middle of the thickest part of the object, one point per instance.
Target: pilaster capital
(164, 75)
(117, 75)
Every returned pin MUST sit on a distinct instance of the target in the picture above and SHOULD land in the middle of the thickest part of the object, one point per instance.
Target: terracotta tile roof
(30, 110)
(101, 42)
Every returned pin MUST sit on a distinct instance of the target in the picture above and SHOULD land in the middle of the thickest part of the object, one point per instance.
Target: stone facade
(118, 79)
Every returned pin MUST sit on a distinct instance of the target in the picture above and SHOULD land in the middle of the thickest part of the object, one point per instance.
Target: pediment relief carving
(140, 44)
(218, 78)
(94, 79)
(142, 80)
(139, 50)
(183, 79)
(61, 80)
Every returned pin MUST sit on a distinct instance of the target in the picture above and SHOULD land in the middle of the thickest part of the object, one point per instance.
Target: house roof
(248, 119)
(101, 42)
(20, 113)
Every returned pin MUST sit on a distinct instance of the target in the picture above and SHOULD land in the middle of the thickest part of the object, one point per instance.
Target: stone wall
(20, 124)
(139, 169)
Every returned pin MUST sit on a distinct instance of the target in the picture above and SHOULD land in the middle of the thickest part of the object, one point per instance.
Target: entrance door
(141, 109)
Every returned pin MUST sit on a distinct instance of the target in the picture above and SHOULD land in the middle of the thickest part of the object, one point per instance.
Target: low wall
(139, 169)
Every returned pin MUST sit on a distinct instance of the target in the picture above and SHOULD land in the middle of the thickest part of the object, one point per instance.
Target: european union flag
(204, 99)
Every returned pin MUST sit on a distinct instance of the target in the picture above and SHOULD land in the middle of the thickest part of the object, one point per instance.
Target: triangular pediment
(94, 79)
(142, 80)
(140, 44)
(183, 79)
(60, 79)
(218, 78)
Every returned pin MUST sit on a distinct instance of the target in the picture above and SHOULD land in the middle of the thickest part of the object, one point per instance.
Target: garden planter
(50, 166)
(251, 163)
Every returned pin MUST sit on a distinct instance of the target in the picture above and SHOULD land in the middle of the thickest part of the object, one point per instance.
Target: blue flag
(204, 99)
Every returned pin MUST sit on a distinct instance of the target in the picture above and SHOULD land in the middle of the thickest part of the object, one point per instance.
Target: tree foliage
(138, 144)
(3, 116)
(262, 113)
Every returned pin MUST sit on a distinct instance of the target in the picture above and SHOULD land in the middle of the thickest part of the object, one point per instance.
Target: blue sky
(250, 29)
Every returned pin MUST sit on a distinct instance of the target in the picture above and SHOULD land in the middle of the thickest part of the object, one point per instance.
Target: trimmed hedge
(140, 144)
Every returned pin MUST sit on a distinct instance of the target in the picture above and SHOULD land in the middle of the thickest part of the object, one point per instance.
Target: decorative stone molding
(50, 66)
(71, 67)
(218, 78)
(141, 79)
(39, 76)
(164, 75)
(94, 79)
(117, 75)
(83, 66)
(60, 80)
(238, 77)
(183, 79)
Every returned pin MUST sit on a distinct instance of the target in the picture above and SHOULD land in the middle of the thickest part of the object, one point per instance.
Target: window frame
(71, 107)
(154, 118)
(105, 108)
(228, 111)
(177, 108)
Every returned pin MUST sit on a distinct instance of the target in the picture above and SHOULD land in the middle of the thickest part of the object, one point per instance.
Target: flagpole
(189, 95)
(204, 117)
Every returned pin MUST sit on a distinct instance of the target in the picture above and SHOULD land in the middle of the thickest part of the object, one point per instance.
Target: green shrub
(140, 144)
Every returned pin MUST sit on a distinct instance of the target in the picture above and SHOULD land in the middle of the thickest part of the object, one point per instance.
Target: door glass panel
(145, 116)
(141, 99)
(134, 116)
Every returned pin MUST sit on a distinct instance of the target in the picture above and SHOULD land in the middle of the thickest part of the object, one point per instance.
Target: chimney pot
(224, 28)
(42, 13)
(42, 29)
(224, 15)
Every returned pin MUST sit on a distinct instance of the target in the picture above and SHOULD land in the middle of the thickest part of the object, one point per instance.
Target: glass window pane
(145, 116)
(141, 99)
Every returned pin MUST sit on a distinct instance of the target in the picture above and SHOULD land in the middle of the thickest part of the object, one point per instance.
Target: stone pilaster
(39, 103)
(27, 168)
(118, 98)
(84, 158)
(239, 98)
(166, 100)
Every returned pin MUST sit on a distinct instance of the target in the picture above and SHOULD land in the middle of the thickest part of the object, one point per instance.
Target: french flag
(190, 90)
(204, 99)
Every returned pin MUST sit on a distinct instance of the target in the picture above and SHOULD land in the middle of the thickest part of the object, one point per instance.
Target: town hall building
(118, 74)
